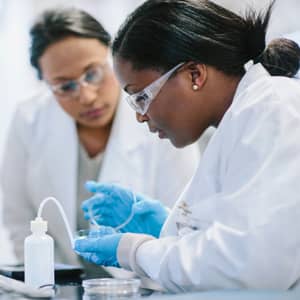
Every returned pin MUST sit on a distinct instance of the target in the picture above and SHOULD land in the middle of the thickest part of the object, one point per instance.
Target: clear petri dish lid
(111, 286)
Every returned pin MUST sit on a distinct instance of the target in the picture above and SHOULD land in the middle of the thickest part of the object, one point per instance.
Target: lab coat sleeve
(254, 240)
(17, 209)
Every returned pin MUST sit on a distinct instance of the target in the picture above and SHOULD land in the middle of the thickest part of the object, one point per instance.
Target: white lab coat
(40, 160)
(237, 223)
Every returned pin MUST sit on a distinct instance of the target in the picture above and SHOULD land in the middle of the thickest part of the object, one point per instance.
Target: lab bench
(75, 292)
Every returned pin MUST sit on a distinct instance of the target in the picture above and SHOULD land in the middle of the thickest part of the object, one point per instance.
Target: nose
(87, 95)
(142, 118)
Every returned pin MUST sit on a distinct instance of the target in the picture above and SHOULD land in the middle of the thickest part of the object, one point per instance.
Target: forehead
(71, 55)
(131, 79)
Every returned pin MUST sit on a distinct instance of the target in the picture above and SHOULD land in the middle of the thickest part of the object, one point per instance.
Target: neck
(94, 140)
(222, 93)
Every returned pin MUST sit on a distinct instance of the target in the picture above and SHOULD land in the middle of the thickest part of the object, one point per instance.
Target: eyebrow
(62, 78)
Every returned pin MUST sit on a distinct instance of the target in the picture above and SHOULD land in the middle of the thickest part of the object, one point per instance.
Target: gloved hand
(112, 205)
(100, 247)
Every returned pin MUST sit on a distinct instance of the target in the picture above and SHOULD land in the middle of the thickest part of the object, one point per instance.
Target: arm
(17, 210)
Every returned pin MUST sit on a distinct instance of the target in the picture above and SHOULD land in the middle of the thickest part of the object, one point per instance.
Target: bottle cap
(38, 225)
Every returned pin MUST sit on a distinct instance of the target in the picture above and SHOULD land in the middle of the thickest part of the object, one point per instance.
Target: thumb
(142, 207)
(91, 186)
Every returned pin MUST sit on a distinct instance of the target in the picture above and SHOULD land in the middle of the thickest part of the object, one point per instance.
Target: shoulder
(267, 93)
(30, 110)
(262, 109)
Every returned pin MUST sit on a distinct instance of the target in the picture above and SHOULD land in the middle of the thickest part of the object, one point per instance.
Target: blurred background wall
(18, 80)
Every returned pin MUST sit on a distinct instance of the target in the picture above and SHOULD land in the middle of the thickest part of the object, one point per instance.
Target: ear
(198, 75)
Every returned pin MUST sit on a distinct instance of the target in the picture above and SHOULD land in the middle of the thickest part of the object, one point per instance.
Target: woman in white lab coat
(79, 130)
(236, 225)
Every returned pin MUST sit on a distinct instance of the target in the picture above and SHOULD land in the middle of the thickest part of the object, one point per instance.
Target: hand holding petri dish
(111, 205)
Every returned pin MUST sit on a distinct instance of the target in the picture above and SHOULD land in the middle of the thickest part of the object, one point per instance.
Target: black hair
(56, 24)
(162, 33)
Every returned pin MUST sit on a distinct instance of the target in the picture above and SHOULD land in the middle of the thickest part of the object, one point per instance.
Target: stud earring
(195, 87)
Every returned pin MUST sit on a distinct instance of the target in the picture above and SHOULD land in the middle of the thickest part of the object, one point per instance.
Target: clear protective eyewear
(93, 77)
(141, 101)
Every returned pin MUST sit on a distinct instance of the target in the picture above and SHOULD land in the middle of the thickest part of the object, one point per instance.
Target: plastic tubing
(62, 212)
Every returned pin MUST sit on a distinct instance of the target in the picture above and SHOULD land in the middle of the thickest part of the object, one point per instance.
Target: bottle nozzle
(38, 225)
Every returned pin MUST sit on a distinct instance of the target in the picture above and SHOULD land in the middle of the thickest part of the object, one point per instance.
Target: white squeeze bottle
(39, 255)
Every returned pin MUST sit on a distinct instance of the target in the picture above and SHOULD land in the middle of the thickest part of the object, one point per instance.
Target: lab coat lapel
(126, 137)
(61, 161)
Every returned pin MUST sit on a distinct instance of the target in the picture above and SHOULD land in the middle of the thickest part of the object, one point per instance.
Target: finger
(104, 221)
(86, 216)
(96, 200)
(101, 231)
(96, 187)
(105, 211)
(142, 207)
(87, 245)
(91, 257)
(95, 245)
(91, 186)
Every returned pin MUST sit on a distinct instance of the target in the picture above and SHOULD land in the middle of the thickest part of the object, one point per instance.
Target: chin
(97, 122)
(178, 143)
(182, 141)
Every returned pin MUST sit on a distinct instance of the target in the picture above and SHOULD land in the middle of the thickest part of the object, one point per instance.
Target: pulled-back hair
(57, 24)
(162, 33)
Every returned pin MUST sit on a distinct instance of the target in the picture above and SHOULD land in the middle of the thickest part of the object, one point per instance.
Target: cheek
(110, 91)
(70, 107)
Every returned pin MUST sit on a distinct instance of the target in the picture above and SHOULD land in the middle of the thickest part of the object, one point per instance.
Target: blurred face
(82, 81)
(177, 112)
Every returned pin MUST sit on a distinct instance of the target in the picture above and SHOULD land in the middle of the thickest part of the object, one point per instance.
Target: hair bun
(281, 57)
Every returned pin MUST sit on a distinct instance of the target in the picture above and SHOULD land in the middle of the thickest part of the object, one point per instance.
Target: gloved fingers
(104, 244)
(105, 221)
(148, 207)
(98, 200)
(91, 186)
(87, 245)
(87, 216)
(107, 212)
(91, 257)
(96, 258)
(96, 187)
(94, 244)
(143, 207)
(101, 231)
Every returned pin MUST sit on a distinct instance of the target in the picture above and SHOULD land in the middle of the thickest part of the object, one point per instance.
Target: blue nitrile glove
(100, 247)
(112, 205)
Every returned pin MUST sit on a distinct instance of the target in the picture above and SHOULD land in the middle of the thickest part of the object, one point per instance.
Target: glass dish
(110, 288)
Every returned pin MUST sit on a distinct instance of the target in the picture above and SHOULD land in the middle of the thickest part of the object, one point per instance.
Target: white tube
(62, 212)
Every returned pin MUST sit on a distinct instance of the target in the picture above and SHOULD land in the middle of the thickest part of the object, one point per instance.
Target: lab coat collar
(253, 73)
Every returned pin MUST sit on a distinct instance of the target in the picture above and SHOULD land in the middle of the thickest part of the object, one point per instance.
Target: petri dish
(93, 233)
(111, 288)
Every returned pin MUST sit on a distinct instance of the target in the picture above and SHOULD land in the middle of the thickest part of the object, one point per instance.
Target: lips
(93, 113)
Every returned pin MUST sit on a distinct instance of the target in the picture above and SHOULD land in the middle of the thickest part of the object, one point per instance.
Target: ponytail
(281, 57)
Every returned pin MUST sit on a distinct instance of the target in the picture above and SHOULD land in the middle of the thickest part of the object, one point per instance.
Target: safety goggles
(70, 89)
(141, 101)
